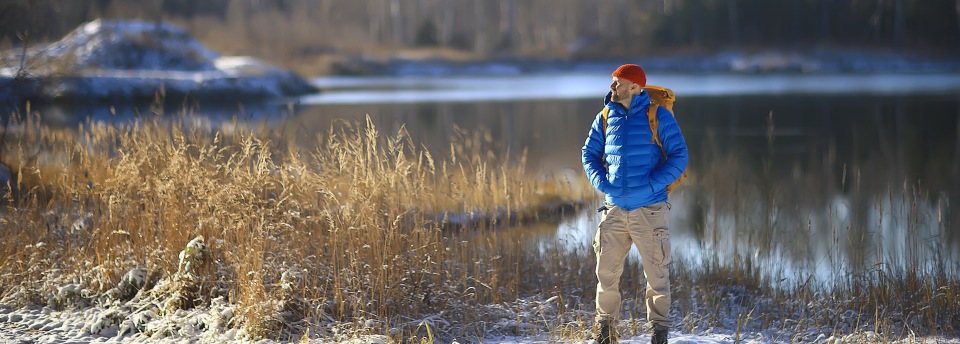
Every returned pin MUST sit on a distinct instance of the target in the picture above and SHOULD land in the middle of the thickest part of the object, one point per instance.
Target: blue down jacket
(625, 164)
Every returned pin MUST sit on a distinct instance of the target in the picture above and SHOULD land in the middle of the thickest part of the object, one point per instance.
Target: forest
(293, 31)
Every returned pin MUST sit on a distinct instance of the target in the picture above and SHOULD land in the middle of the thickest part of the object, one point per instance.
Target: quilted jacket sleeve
(593, 150)
(675, 148)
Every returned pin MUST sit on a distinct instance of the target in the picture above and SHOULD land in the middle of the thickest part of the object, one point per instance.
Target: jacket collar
(638, 102)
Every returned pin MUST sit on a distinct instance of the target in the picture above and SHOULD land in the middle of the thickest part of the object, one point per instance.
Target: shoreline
(744, 61)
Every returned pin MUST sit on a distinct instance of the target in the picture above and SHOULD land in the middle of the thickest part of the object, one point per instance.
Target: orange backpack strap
(659, 97)
(654, 122)
(605, 113)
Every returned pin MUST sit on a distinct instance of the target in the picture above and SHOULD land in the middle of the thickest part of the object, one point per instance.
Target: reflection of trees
(827, 181)
(807, 183)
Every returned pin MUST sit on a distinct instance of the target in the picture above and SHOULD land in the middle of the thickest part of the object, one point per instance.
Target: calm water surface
(806, 175)
(818, 176)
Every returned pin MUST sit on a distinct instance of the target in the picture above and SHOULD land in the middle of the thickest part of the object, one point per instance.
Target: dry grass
(358, 228)
(376, 234)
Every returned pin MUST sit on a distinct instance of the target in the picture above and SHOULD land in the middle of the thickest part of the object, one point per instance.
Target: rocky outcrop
(126, 60)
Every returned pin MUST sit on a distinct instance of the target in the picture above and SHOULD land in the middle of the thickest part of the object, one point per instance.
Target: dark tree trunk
(899, 24)
(733, 16)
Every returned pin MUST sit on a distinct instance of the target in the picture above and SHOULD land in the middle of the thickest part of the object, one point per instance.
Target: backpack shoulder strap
(654, 122)
(605, 113)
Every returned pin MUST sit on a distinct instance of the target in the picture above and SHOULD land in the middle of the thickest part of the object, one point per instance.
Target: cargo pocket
(654, 210)
(663, 239)
(657, 216)
(604, 217)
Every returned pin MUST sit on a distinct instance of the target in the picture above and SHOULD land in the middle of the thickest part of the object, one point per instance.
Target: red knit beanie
(631, 72)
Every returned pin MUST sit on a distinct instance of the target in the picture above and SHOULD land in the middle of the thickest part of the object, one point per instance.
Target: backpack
(659, 96)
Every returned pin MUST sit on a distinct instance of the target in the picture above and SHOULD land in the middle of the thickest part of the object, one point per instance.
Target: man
(623, 161)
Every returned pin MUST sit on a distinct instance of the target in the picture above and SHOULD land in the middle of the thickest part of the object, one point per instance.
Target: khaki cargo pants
(647, 228)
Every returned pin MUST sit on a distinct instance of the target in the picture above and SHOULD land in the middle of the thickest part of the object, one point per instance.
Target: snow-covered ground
(206, 325)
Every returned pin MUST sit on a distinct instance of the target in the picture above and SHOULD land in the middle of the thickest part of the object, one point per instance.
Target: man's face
(622, 89)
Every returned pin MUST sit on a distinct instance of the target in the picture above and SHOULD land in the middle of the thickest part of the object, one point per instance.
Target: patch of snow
(122, 61)
(190, 255)
(8, 72)
(209, 324)
(243, 65)
(132, 45)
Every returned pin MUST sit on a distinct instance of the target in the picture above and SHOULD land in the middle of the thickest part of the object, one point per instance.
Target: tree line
(544, 28)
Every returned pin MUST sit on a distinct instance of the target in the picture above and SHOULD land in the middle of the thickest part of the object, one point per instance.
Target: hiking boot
(606, 332)
(659, 334)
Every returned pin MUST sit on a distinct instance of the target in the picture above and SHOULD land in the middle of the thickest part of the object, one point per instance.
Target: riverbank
(432, 62)
(158, 231)
(153, 215)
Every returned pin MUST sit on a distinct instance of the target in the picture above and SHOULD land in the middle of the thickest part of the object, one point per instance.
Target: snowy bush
(190, 257)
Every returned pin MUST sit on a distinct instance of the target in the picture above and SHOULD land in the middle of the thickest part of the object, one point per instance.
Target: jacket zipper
(626, 118)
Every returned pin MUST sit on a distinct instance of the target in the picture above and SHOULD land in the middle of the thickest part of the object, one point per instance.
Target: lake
(807, 175)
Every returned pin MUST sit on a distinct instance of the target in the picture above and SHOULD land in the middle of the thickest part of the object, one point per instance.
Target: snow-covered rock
(124, 60)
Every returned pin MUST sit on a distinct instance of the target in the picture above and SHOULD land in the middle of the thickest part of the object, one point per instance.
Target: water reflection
(834, 185)
(794, 243)
(803, 184)
(803, 181)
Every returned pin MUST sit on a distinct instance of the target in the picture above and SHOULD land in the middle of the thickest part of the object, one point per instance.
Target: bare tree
(957, 8)
(396, 19)
(447, 22)
(825, 10)
(734, 18)
(376, 22)
(480, 42)
(876, 20)
(506, 24)
(899, 23)
(14, 81)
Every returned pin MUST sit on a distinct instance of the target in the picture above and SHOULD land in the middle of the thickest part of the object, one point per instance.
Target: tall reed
(358, 228)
